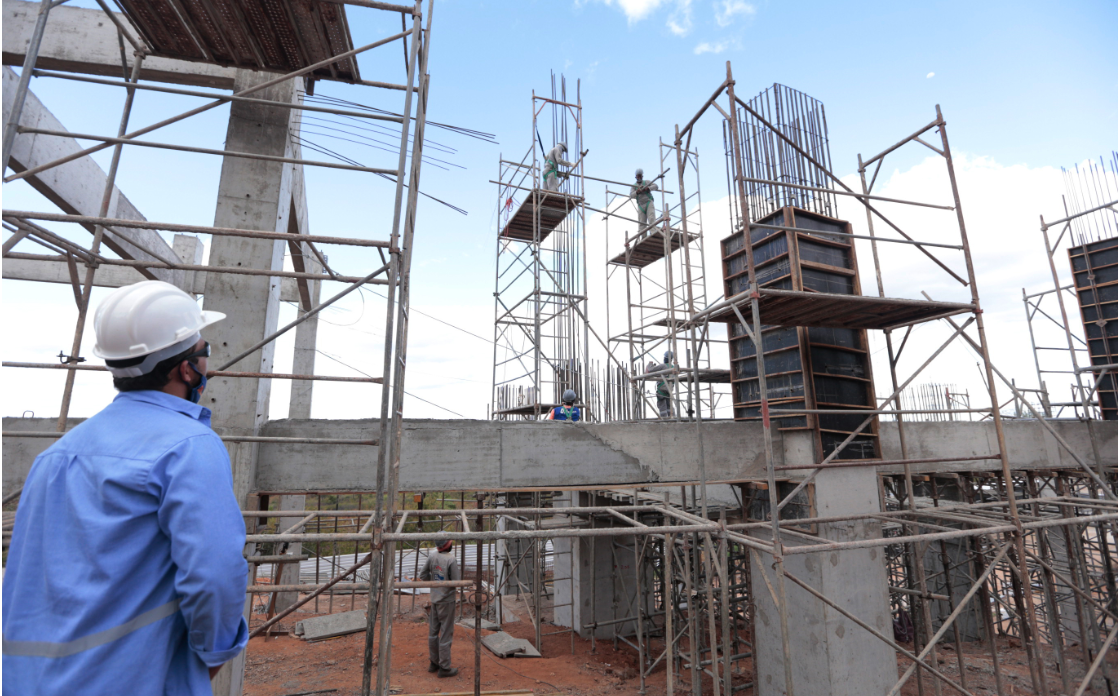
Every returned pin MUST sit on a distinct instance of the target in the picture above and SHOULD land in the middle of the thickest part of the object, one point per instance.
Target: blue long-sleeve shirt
(125, 573)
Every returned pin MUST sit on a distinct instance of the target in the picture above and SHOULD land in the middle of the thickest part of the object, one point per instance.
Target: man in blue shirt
(125, 573)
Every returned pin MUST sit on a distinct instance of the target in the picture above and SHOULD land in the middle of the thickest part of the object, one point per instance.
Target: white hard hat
(639, 173)
(150, 318)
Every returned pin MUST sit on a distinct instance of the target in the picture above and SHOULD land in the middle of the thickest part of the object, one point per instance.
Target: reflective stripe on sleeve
(35, 648)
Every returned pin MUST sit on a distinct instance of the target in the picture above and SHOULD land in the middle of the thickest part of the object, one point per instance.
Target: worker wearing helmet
(567, 410)
(664, 390)
(552, 163)
(138, 503)
(642, 194)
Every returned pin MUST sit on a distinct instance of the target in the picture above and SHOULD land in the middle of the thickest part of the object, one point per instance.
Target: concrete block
(331, 625)
(503, 644)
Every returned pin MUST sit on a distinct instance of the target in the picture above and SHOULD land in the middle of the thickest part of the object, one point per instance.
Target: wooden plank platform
(554, 207)
(252, 34)
(706, 376)
(792, 308)
(651, 249)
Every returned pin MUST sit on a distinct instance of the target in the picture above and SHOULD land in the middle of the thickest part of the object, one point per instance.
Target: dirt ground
(286, 665)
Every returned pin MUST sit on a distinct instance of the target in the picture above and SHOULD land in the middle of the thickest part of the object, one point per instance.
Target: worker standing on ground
(567, 410)
(552, 163)
(137, 505)
(664, 392)
(642, 193)
(441, 565)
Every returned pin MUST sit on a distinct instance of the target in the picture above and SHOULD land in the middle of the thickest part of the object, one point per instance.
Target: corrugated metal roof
(274, 35)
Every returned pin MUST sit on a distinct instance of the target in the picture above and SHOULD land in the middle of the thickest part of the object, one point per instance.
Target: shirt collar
(174, 403)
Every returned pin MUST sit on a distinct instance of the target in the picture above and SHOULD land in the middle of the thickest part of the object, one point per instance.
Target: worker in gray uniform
(441, 565)
(642, 193)
(552, 163)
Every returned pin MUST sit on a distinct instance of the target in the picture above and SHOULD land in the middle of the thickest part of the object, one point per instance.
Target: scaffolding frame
(664, 279)
(393, 273)
(1004, 524)
(1092, 191)
(1006, 532)
(540, 272)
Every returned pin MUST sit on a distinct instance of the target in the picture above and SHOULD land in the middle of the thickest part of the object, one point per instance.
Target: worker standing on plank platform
(125, 573)
(642, 193)
(552, 163)
(441, 565)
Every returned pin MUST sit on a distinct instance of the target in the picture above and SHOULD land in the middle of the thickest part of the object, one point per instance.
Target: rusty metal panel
(273, 35)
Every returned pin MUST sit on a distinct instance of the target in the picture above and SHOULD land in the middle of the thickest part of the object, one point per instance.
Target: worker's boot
(433, 667)
(444, 673)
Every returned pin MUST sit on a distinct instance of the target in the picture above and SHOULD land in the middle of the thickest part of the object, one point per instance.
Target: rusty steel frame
(677, 291)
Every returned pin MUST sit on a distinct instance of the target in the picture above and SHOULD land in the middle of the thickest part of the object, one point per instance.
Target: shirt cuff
(216, 658)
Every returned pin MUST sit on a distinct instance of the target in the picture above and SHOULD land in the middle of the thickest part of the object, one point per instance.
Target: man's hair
(155, 380)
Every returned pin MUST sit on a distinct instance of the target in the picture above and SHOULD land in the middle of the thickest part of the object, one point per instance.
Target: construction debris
(503, 644)
(331, 625)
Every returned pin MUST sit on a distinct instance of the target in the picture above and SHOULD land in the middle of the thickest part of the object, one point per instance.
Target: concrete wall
(1029, 446)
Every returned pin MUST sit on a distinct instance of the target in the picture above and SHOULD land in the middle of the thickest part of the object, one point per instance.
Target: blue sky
(1026, 87)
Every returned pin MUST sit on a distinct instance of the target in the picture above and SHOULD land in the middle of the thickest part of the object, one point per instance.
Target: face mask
(195, 394)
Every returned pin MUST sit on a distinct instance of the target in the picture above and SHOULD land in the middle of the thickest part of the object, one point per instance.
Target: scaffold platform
(651, 249)
(793, 308)
(249, 34)
(554, 207)
(704, 376)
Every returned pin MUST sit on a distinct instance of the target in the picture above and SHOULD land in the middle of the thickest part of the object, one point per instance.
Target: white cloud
(728, 10)
(680, 21)
(929, 75)
(635, 10)
(710, 47)
(1001, 205)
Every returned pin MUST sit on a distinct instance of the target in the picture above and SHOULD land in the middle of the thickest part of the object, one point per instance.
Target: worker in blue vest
(126, 573)
(567, 410)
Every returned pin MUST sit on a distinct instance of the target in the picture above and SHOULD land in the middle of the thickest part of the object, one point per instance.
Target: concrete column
(594, 584)
(254, 195)
(832, 656)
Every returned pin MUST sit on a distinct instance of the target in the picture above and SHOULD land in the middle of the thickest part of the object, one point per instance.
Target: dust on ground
(285, 665)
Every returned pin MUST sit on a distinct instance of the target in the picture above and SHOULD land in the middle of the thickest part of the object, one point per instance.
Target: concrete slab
(322, 627)
(85, 41)
(503, 644)
(487, 625)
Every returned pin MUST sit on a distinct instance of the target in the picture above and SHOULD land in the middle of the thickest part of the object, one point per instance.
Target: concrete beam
(479, 455)
(85, 41)
(1029, 446)
(119, 276)
(77, 187)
